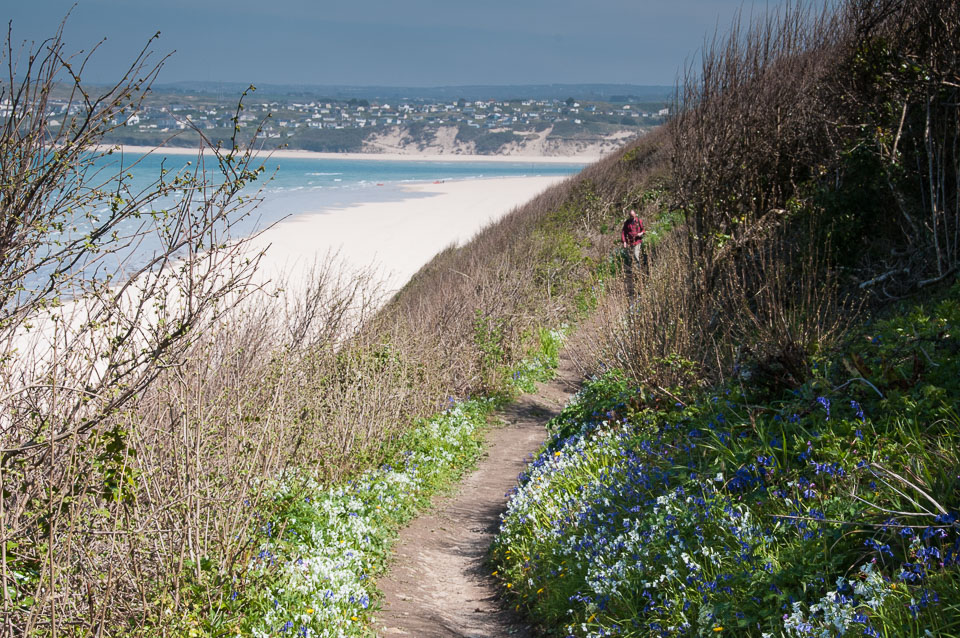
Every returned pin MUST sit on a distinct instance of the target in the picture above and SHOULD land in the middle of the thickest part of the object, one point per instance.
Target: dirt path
(439, 584)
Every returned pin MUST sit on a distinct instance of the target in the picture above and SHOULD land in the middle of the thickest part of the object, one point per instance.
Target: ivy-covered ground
(828, 510)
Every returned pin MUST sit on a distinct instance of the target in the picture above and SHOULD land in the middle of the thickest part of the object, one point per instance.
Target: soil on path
(439, 584)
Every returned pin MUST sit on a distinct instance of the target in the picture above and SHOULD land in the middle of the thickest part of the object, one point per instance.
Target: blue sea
(304, 185)
(296, 186)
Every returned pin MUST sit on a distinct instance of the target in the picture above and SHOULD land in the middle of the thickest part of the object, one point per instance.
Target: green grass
(831, 510)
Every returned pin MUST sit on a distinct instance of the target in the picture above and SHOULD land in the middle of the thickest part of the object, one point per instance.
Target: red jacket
(632, 232)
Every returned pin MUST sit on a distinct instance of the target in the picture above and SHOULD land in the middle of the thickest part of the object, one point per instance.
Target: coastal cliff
(449, 140)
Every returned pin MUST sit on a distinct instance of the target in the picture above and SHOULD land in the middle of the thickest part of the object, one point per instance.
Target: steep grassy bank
(814, 168)
(830, 509)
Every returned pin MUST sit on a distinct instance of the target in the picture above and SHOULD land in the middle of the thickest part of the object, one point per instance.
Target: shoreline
(397, 237)
(383, 157)
(383, 243)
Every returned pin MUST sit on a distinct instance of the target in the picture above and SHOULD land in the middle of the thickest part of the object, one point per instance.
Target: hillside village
(483, 126)
(487, 114)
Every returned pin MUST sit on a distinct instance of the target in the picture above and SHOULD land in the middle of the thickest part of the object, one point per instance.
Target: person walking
(631, 235)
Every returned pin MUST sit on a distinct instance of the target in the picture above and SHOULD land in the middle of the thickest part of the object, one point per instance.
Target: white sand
(382, 157)
(395, 237)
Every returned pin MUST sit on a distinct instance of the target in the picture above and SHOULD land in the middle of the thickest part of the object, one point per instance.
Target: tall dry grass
(814, 161)
(849, 109)
(104, 527)
(536, 266)
(771, 309)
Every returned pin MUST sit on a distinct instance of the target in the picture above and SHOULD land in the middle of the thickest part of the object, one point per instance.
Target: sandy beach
(381, 157)
(395, 237)
(395, 232)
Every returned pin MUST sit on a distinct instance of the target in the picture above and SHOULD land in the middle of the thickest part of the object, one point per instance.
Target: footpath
(439, 584)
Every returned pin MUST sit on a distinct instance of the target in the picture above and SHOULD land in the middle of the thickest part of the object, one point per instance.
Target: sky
(413, 43)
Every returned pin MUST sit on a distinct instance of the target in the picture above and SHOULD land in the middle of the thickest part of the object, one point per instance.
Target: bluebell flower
(858, 410)
(825, 402)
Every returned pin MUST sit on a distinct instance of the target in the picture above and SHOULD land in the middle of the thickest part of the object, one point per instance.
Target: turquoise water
(300, 185)
(358, 175)
(290, 187)
(321, 185)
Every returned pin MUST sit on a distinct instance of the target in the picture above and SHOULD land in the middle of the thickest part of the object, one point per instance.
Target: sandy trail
(439, 584)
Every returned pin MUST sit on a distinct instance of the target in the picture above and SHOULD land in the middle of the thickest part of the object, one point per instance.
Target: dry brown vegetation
(538, 266)
(815, 164)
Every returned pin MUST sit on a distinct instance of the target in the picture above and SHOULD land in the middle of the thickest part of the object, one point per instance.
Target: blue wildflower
(825, 402)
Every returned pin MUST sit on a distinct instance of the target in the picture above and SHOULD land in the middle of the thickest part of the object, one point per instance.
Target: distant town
(550, 126)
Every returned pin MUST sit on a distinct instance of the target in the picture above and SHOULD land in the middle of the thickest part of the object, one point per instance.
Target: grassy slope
(826, 507)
